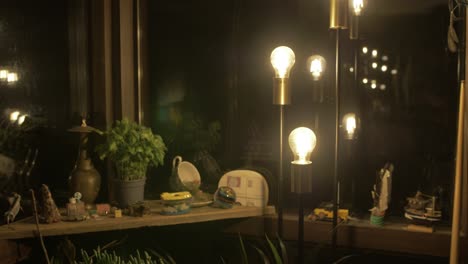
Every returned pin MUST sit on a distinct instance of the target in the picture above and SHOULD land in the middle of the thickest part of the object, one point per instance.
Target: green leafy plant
(132, 148)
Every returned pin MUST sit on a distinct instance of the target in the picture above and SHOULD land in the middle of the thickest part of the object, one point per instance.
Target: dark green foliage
(104, 256)
(284, 253)
(191, 135)
(162, 256)
(243, 251)
(271, 255)
(262, 255)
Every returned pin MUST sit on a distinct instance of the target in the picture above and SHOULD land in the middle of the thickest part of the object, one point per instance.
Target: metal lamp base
(301, 178)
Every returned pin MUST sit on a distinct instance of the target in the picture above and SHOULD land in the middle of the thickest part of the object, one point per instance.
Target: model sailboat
(422, 209)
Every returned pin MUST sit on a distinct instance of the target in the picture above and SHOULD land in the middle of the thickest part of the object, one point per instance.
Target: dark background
(209, 61)
(213, 59)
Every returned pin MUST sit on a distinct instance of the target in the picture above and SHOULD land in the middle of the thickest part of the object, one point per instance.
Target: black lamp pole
(337, 140)
(300, 235)
(280, 177)
(354, 36)
(301, 182)
(338, 21)
(281, 97)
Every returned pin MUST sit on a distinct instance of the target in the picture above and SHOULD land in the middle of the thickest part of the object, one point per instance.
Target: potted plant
(132, 148)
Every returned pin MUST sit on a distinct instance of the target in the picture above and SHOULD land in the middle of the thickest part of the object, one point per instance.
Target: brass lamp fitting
(338, 14)
(281, 91)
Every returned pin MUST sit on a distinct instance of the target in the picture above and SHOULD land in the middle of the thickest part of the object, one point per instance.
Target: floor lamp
(302, 142)
(457, 192)
(282, 59)
(338, 22)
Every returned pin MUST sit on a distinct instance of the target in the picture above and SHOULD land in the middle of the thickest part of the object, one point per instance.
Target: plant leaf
(243, 251)
(345, 258)
(222, 260)
(284, 253)
(274, 251)
(262, 254)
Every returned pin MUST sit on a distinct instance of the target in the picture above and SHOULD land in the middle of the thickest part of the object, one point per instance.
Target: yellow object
(175, 196)
(325, 214)
(118, 213)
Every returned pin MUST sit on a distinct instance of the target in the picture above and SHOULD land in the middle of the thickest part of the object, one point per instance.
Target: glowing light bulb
(365, 50)
(12, 77)
(357, 6)
(351, 69)
(282, 59)
(383, 87)
(374, 84)
(316, 65)
(365, 80)
(14, 116)
(384, 58)
(21, 119)
(384, 68)
(394, 72)
(375, 65)
(350, 125)
(375, 53)
(3, 74)
(302, 141)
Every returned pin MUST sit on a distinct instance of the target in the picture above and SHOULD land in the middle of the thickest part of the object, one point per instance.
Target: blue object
(224, 197)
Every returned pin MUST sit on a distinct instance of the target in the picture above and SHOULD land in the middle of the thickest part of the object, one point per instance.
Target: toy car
(325, 213)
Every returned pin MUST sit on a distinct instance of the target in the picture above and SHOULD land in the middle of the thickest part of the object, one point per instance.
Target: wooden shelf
(394, 236)
(27, 228)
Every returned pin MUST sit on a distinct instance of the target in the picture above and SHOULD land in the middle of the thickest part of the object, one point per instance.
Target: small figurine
(137, 209)
(76, 208)
(49, 210)
(15, 206)
(381, 194)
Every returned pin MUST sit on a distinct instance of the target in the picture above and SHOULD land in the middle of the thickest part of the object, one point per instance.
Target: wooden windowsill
(26, 228)
(394, 236)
